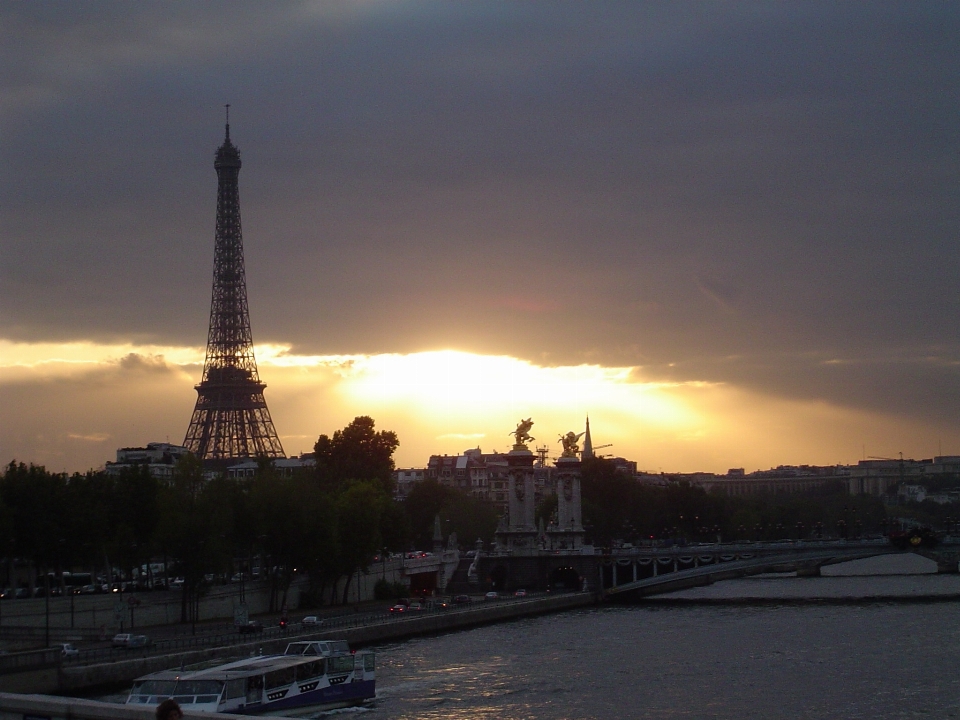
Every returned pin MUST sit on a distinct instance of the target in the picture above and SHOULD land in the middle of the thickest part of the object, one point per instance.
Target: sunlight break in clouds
(76, 403)
(436, 401)
(33, 355)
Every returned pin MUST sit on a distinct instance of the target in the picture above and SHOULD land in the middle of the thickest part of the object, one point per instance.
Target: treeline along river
(779, 659)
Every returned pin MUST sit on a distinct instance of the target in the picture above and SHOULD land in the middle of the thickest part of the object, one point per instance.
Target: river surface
(868, 658)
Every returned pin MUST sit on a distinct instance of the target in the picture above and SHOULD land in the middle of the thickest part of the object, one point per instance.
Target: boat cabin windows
(235, 689)
(279, 678)
(303, 648)
(318, 647)
(339, 664)
(308, 670)
(155, 687)
(189, 692)
(254, 689)
(369, 662)
(199, 687)
(186, 692)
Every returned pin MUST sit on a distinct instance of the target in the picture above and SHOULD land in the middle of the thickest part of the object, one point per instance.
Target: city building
(876, 477)
(482, 475)
(159, 459)
(403, 481)
(485, 476)
(284, 467)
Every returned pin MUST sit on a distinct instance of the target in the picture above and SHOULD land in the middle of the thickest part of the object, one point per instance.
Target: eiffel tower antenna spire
(231, 419)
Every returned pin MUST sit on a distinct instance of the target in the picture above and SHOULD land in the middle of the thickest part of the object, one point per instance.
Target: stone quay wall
(77, 678)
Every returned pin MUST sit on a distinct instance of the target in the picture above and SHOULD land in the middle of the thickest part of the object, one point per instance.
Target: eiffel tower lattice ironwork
(231, 419)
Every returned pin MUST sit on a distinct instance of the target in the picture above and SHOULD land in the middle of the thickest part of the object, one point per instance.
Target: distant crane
(877, 457)
(600, 447)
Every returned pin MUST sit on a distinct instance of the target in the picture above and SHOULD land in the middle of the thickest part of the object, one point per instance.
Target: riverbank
(80, 679)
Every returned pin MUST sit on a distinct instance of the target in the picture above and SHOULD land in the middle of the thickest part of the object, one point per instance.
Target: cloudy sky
(728, 231)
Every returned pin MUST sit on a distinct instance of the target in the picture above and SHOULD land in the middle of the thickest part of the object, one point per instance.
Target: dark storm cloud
(735, 192)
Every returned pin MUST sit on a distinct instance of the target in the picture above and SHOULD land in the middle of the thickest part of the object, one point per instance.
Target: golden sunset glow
(57, 358)
(87, 399)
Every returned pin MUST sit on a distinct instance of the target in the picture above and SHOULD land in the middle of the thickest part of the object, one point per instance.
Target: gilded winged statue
(522, 433)
(570, 446)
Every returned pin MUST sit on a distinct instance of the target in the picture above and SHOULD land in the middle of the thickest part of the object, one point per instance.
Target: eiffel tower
(230, 419)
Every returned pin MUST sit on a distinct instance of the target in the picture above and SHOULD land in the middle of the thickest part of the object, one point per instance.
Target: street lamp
(46, 633)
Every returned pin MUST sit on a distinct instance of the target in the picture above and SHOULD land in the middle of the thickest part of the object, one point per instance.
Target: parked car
(492, 595)
(520, 593)
(138, 641)
(461, 599)
(311, 620)
(129, 640)
(67, 650)
(251, 626)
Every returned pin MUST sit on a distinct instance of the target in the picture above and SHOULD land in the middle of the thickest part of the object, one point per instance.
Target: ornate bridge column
(522, 508)
(520, 533)
(568, 532)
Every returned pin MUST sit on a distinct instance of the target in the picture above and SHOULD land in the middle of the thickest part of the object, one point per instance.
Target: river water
(784, 656)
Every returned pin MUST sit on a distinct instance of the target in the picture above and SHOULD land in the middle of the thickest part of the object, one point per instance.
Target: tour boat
(309, 676)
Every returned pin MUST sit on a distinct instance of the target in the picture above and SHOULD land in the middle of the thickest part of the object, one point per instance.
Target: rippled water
(868, 659)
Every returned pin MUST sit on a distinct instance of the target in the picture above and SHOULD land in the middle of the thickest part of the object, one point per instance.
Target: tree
(469, 517)
(297, 525)
(194, 528)
(608, 499)
(424, 502)
(36, 501)
(395, 529)
(359, 509)
(460, 512)
(135, 512)
(90, 523)
(357, 452)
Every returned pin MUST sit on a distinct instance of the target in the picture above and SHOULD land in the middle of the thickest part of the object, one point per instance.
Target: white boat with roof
(310, 676)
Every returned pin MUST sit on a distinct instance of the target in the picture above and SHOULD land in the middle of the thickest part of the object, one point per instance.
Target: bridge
(631, 574)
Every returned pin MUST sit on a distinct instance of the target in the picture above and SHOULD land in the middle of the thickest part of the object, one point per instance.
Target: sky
(728, 232)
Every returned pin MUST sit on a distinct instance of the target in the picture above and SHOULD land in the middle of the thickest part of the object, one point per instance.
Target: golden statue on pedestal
(522, 435)
(570, 446)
